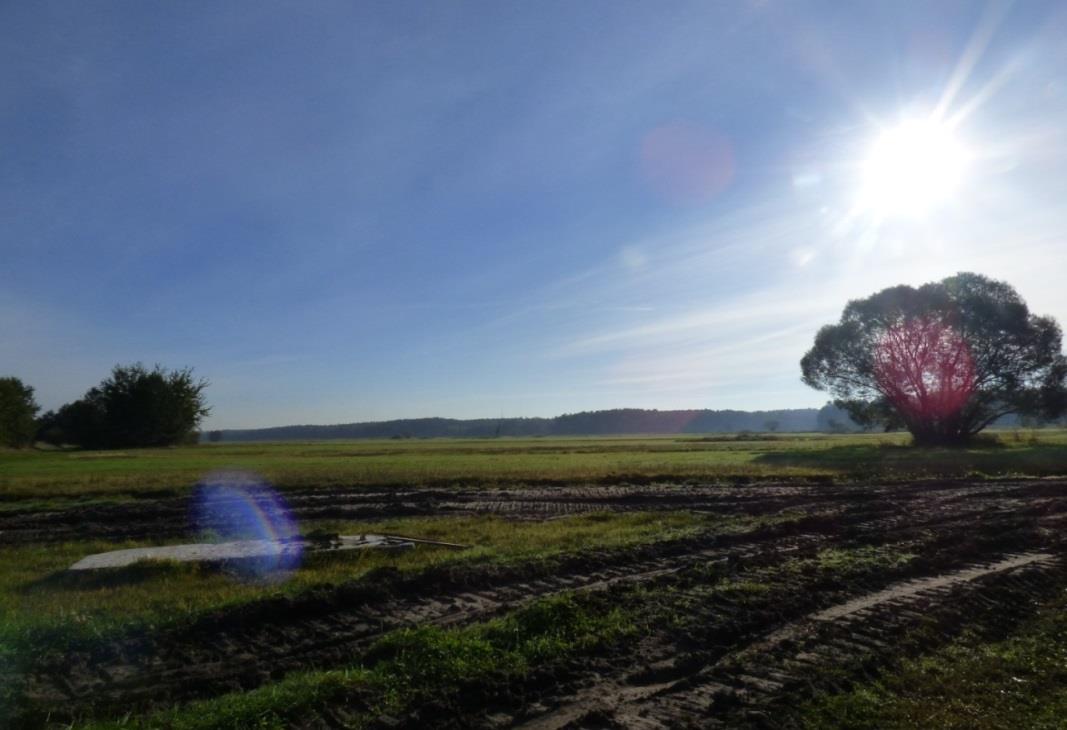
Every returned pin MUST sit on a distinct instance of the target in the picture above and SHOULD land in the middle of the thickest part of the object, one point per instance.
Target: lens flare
(687, 163)
(241, 506)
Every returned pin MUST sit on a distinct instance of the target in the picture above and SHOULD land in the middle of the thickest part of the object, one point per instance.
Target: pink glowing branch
(925, 369)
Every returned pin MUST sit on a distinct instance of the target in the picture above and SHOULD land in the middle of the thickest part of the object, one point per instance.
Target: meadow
(591, 562)
(86, 475)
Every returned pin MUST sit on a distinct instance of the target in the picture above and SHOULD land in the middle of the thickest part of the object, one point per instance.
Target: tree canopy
(943, 360)
(18, 413)
(133, 407)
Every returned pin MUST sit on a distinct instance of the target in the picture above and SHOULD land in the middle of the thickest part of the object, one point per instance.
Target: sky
(345, 211)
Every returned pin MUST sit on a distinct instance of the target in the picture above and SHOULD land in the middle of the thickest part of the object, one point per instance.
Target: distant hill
(616, 422)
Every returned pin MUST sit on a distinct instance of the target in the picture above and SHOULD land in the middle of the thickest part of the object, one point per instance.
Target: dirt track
(156, 518)
(737, 660)
(747, 685)
(152, 518)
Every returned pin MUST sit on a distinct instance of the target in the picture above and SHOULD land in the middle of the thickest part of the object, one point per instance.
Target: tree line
(619, 421)
(943, 361)
(133, 407)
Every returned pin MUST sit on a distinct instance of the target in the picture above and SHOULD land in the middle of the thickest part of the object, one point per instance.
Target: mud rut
(154, 518)
(986, 553)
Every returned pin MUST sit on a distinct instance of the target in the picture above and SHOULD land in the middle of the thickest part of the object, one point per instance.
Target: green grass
(971, 684)
(489, 461)
(40, 610)
(57, 475)
(1037, 454)
(428, 664)
(41, 607)
(861, 558)
(409, 666)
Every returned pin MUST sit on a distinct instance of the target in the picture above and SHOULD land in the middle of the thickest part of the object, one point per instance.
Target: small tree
(18, 412)
(135, 407)
(772, 425)
(944, 360)
(214, 436)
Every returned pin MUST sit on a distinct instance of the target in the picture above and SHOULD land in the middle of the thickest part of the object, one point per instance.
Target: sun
(912, 169)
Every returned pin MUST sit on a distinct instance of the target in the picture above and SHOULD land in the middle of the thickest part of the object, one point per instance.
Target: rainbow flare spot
(242, 506)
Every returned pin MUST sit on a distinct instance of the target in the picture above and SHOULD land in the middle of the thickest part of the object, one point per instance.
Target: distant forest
(616, 422)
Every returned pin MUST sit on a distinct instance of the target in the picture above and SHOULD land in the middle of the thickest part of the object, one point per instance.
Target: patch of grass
(410, 666)
(739, 588)
(972, 684)
(861, 559)
(1003, 454)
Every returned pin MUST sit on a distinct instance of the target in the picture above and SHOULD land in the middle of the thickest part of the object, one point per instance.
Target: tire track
(170, 517)
(211, 662)
(255, 646)
(258, 643)
(757, 683)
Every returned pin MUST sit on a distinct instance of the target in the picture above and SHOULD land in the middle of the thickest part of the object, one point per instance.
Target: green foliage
(1019, 367)
(134, 407)
(18, 410)
(79, 423)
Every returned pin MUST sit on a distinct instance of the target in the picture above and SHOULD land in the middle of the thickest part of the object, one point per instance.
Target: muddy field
(737, 627)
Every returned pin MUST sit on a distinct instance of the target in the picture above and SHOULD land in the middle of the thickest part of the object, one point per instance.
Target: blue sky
(345, 211)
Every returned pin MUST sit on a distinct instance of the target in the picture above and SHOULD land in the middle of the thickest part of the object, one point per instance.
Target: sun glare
(912, 169)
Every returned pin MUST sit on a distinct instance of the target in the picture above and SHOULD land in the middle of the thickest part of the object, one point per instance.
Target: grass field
(40, 606)
(603, 563)
(41, 475)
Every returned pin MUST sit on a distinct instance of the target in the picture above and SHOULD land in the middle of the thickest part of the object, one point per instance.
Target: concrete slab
(281, 551)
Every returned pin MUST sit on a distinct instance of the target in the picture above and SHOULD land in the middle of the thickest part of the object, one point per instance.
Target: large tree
(133, 407)
(943, 360)
(18, 412)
